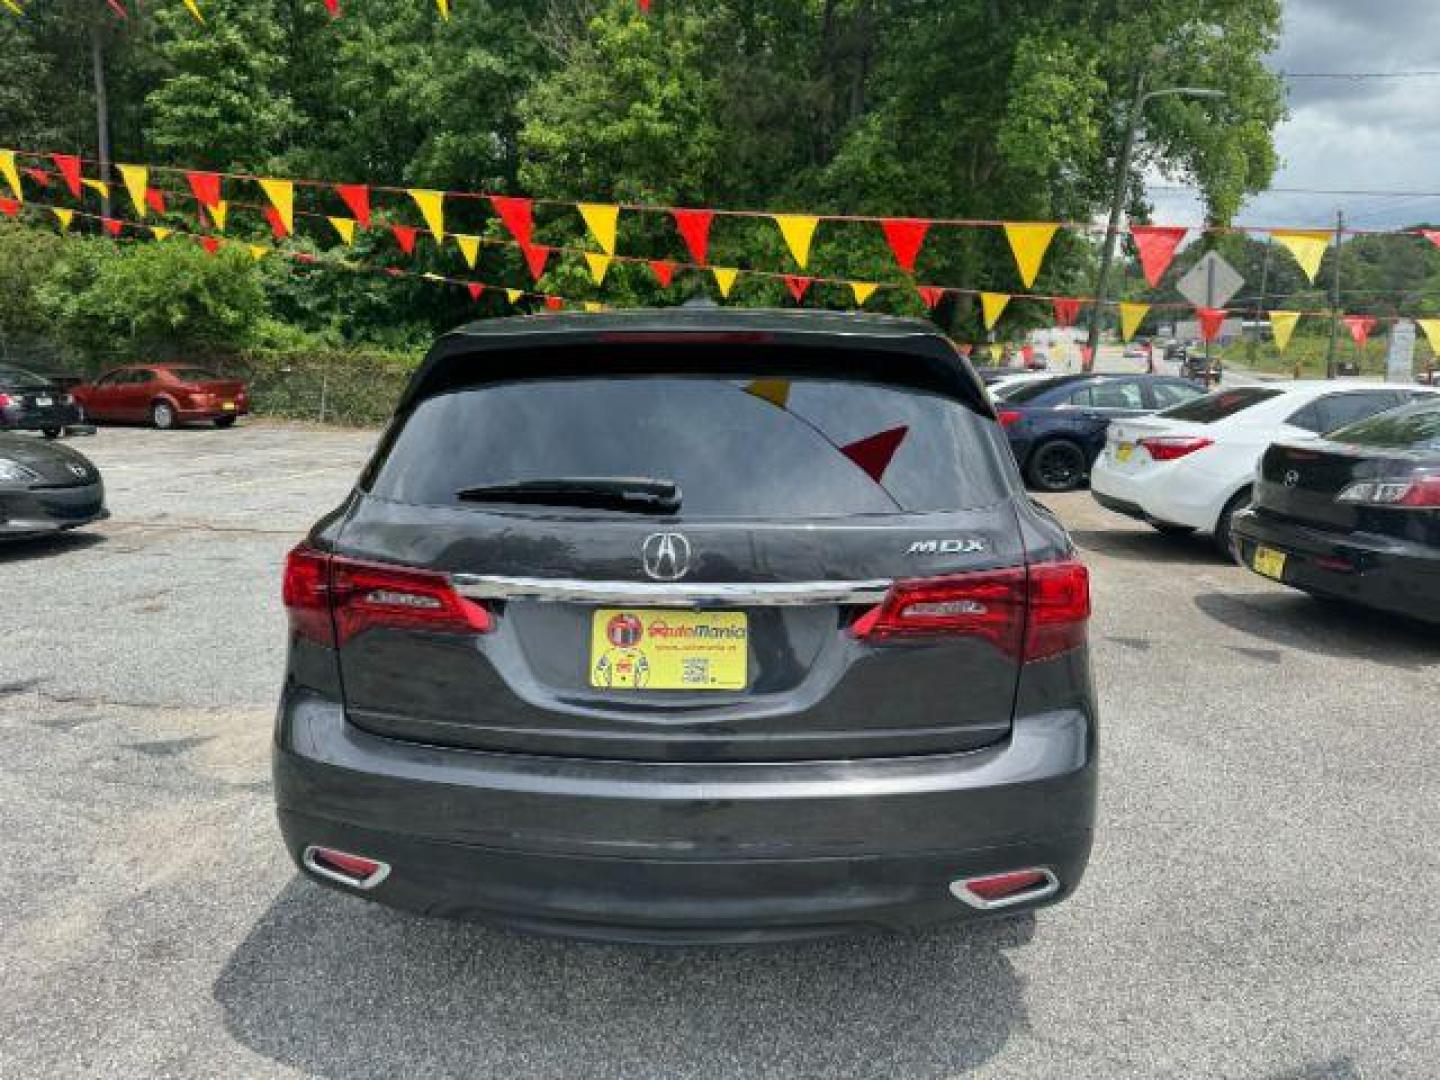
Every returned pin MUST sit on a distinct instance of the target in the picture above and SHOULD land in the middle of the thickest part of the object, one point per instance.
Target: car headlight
(12, 472)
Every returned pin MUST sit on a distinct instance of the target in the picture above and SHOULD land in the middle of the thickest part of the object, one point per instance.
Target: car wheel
(50, 432)
(1165, 528)
(1238, 502)
(224, 421)
(1056, 466)
(162, 415)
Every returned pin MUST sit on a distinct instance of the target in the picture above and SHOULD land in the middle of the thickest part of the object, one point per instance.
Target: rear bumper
(60, 416)
(45, 510)
(1373, 571)
(1167, 494)
(686, 852)
(192, 415)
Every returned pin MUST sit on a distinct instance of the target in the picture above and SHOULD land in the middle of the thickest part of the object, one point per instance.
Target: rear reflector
(1005, 890)
(1008, 417)
(354, 870)
(331, 599)
(1030, 613)
(1170, 447)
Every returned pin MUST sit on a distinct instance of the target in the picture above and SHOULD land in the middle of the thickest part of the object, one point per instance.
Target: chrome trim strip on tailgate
(670, 593)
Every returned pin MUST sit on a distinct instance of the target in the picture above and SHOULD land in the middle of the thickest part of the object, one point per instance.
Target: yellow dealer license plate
(1270, 562)
(1123, 451)
(638, 649)
(227, 405)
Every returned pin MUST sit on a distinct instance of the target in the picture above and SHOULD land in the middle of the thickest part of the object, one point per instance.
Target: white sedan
(1191, 467)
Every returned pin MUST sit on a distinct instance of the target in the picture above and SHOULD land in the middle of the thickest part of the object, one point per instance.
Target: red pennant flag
(112, 226)
(155, 200)
(357, 198)
(277, 224)
(1360, 327)
(210, 244)
(9, 207)
(304, 257)
(1028, 352)
(905, 235)
(875, 453)
(644, 7)
(931, 295)
(966, 350)
(1067, 310)
(1211, 320)
(333, 7)
(119, 10)
(40, 176)
(1156, 244)
(554, 303)
(536, 256)
(476, 289)
(206, 187)
(798, 286)
(694, 226)
(664, 272)
(518, 215)
(1433, 235)
(69, 166)
(1087, 357)
(405, 237)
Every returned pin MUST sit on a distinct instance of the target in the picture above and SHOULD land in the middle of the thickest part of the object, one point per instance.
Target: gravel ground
(1260, 904)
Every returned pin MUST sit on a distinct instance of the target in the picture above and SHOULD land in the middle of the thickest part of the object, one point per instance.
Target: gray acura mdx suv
(691, 625)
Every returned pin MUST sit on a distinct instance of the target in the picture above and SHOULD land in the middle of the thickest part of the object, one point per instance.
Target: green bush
(357, 387)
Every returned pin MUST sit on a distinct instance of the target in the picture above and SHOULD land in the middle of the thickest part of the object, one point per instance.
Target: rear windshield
(765, 447)
(1218, 406)
(1414, 428)
(193, 374)
(19, 379)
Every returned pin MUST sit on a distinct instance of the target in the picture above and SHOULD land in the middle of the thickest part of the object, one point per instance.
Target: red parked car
(163, 395)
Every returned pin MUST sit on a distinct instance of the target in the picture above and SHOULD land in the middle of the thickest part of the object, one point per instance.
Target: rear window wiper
(634, 494)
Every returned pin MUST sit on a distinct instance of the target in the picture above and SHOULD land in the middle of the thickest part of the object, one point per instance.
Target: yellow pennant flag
(159, 233)
(725, 278)
(137, 179)
(258, 251)
(218, 213)
(98, 186)
(1131, 316)
(63, 216)
(1028, 243)
(863, 290)
(798, 230)
(281, 194)
(603, 220)
(513, 295)
(191, 7)
(432, 208)
(992, 305)
(1282, 325)
(1308, 247)
(344, 226)
(13, 6)
(444, 6)
(599, 266)
(469, 247)
(595, 307)
(11, 174)
(1432, 333)
(775, 391)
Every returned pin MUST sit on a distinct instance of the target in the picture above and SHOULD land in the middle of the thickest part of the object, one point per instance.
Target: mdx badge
(665, 556)
(969, 546)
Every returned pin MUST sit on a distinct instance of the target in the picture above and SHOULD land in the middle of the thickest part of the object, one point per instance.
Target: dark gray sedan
(31, 402)
(46, 487)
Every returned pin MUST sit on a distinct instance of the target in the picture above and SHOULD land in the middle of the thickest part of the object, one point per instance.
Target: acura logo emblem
(666, 556)
(1292, 478)
(78, 469)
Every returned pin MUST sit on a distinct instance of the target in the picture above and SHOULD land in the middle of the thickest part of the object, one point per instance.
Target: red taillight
(1008, 417)
(1170, 447)
(1030, 613)
(331, 599)
(6, 400)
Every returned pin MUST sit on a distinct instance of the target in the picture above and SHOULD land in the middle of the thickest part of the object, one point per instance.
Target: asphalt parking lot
(1261, 902)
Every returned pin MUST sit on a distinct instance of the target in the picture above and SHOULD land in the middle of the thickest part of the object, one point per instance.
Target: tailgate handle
(670, 593)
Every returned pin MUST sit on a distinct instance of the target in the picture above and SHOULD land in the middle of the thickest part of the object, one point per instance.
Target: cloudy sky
(1371, 134)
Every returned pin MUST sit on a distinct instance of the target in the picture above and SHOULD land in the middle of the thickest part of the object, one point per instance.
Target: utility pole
(1335, 296)
(1253, 349)
(102, 111)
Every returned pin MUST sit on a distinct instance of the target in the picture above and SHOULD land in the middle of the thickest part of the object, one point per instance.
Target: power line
(1183, 189)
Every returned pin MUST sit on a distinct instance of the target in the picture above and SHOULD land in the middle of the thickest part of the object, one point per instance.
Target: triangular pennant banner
(98, 186)
(664, 272)
(863, 290)
(1359, 327)
(136, 179)
(1308, 247)
(195, 11)
(69, 166)
(258, 251)
(276, 222)
(1432, 333)
(992, 306)
(602, 219)
(536, 256)
(513, 295)
(905, 236)
(205, 186)
(965, 350)
(930, 295)
(112, 226)
(1433, 235)
(798, 286)
(405, 237)
(599, 266)
(281, 194)
(155, 200)
(798, 231)
(1131, 316)
(63, 216)
(432, 209)
(333, 7)
(725, 279)
(1028, 243)
(1282, 326)
(210, 244)
(475, 289)
(39, 175)
(1211, 320)
(1067, 310)
(554, 303)
(344, 226)
(594, 307)
(694, 226)
(469, 248)
(518, 215)
(11, 174)
(357, 198)
(160, 233)
(13, 6)
(444, 6)
(1156, 245)
(9, 207)
(875, 453)
(775, 391)
(219, 213)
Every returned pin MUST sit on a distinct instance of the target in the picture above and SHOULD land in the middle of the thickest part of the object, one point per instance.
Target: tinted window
(1116, 394)
(193, 374)
(1029, 391)
(1219, 406)
(1168, 395)
(20, 379)
(777, 448)
(1416, 427)
(1337, 410)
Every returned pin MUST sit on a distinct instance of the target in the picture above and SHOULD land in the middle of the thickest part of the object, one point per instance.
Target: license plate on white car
(44, 402)
(1124, 452)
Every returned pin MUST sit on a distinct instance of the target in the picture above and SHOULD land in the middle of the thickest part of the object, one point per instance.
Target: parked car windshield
(1416, 427)
(1219, 406)
(768, 447)
(20, 379)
